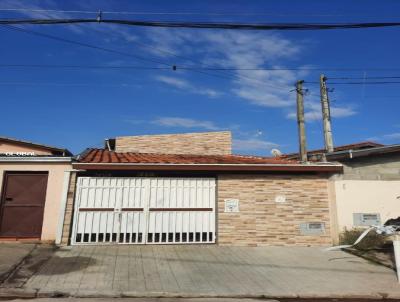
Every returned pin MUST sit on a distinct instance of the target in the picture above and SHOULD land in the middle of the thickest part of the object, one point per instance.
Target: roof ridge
(39, 145)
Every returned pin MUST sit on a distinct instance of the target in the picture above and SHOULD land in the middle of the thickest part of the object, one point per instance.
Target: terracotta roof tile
(105, 156)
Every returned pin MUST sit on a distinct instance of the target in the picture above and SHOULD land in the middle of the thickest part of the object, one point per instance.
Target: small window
(370, 216)
(315, 226)
(312, 228)
(366, 219)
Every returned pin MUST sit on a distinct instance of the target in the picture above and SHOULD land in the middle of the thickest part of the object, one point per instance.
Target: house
(190, 189)
(368, 190)
(32, 178)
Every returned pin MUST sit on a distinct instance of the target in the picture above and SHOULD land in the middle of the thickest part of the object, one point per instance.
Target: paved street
(209, 271)
(194, 300)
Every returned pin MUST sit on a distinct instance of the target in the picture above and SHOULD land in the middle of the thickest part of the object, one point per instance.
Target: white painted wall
(53, 193)
(366, 196)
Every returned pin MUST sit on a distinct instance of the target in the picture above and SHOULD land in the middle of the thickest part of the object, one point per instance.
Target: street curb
(7, 293)
(12, 293)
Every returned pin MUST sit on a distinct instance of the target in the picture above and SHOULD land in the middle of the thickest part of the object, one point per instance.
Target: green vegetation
(371, 241)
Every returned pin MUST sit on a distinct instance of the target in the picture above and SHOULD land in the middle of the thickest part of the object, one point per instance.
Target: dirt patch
(383, 256)
(64, 265)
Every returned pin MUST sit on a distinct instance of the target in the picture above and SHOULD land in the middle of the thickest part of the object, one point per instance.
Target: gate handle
(9, 199)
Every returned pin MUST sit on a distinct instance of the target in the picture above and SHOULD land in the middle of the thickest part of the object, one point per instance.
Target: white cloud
(185, 123)
(232, 49)
(342, 112)
(253, 144)
(313, 112)
(390, 137)
(37, 11)
(186, 86)
(178, 83)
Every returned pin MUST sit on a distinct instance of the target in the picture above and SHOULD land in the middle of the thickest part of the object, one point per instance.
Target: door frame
(6, 174)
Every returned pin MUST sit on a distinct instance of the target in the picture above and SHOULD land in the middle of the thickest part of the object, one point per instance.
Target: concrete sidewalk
(11, 255)
(209, 271)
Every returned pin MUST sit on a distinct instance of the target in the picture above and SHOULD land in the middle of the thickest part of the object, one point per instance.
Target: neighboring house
(189, 188)
(32, 177)
(368, 191)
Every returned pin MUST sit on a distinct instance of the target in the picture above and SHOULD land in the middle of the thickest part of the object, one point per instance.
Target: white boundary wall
(366, 196)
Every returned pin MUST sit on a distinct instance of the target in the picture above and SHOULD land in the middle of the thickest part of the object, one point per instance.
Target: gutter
(375, 150)
(244, 165)
(211, 167)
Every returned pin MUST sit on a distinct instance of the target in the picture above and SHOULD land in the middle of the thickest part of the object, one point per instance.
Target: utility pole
(326, 114)
(301, 121)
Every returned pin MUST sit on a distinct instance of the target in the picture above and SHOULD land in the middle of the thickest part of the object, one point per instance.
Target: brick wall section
(206, 143)
(69, 210)
(262, 221)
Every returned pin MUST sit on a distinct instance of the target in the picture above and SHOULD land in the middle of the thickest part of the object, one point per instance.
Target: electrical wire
(356, 82)
(365, 78)
(16, 28)
(184, 13)
(83, 44)
(364, 83)
(171, 66)
(65, 84)
(207, 25)
(81, 66)
(202, 67)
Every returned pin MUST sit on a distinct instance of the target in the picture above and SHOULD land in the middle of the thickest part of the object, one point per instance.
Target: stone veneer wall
(262, 221)
(206, 143)
(69, 210)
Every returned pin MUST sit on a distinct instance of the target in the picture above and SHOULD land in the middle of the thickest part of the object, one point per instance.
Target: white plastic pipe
(396, 245)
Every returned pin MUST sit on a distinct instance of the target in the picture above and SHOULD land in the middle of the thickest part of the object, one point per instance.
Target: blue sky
(78, 108)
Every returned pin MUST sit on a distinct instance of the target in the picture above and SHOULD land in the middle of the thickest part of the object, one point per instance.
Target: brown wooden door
(22, 205)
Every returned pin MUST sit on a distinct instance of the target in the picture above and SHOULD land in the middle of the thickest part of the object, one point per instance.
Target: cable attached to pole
(206, 25)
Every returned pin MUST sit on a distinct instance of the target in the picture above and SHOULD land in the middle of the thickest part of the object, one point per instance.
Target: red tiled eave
(101, 159)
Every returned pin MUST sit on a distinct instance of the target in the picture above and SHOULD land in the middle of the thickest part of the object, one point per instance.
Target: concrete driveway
(11, 255)
(210, 271)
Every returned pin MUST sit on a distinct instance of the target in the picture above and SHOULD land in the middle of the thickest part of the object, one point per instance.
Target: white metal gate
(144, 210)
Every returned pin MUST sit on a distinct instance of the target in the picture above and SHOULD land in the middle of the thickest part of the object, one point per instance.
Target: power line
(171, 54)
(202, 67)
(208, 25)
(365, 78)
(304, 69)
(187, 13)
(97, 47)
(16, 28)
(65, 84)
(364, 83)
(83, 44)
(185, 58)
(357, 82)
(81, 66)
